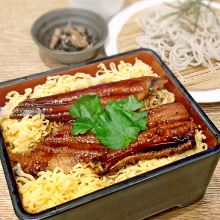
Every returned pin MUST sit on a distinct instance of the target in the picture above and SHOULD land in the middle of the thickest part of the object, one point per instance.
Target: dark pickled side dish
(72, 39)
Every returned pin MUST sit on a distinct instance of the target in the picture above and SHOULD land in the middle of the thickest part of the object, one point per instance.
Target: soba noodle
(176, 42)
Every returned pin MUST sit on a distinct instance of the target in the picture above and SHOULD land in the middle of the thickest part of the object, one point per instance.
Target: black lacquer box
(178, 184)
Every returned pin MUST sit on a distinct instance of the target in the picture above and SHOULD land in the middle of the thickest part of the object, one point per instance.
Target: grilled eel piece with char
(170, 131)
(56, 107)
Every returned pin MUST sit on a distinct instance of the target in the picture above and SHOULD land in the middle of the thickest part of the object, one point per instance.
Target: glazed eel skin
(170, 131)
(56, 107)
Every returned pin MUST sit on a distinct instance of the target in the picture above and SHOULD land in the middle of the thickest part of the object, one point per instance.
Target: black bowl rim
(22, 214)
(95, 47)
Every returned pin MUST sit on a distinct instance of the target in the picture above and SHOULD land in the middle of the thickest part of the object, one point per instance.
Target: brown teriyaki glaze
(56, 107)
(168, 133)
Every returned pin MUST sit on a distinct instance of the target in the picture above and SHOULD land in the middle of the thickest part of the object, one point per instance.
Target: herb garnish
(187, 7)
(116, 126)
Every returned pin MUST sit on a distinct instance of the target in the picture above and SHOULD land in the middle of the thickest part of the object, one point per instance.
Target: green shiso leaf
(116, 126)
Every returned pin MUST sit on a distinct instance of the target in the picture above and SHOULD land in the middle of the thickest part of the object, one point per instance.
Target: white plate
(115, 25)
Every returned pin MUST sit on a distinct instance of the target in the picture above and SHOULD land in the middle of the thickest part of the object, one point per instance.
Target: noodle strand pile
(176, 42)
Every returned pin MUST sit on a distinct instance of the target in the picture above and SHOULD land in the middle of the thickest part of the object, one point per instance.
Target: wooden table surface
(19, 56)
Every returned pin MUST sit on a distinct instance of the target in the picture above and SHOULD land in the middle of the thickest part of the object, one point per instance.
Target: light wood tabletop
(20, 56)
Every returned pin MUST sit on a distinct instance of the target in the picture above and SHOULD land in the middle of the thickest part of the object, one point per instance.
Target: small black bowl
(43, 29)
